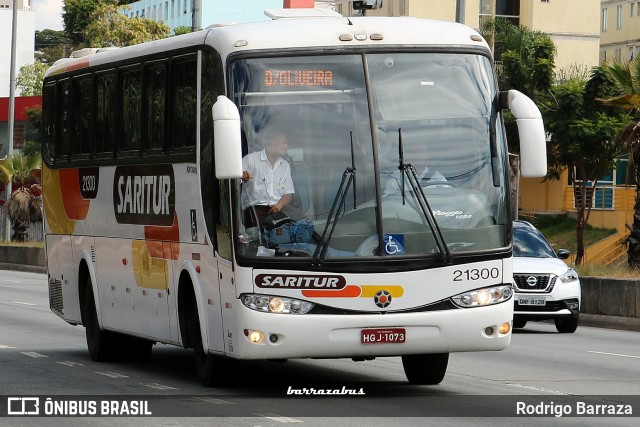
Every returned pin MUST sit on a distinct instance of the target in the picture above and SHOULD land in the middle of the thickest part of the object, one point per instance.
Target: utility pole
(196, 16)
(12, 102)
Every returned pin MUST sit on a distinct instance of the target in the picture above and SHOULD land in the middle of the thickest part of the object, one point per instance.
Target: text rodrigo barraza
(576, 409)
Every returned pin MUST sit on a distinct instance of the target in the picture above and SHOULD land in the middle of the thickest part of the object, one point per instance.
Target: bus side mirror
(227, 140)
(533, 141)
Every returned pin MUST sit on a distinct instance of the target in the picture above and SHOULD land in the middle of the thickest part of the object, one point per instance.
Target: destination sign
(298, 78)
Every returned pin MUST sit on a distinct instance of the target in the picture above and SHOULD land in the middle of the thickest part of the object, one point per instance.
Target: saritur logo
(144, 195)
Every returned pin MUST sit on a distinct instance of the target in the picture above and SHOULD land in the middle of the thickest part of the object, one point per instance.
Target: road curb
(610, 322)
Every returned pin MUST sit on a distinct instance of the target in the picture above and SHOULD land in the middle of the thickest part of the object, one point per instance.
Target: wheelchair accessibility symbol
(394, 244)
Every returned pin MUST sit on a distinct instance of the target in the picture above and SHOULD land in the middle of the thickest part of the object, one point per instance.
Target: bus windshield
(390, 154)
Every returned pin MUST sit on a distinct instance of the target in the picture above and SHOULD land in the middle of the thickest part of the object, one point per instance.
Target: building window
(630, 54)
(166, 10)
(631, 5)
(619, 18)
(618, 54)
(605, 13)
(185, 7)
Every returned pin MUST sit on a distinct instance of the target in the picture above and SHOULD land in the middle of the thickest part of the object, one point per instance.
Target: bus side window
(131, 89)
(184, 79)
(156, 87)
(48, 122)
(64, 89)
(105, 118)
(82, 117)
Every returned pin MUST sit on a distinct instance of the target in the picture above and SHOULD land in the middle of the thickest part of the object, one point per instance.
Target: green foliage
(560, 231)
(18, 169)
(178, 31)
(528, 58)
(50, 38)
(30, 77)
(109, 27)
(78, 14)
(583, 131)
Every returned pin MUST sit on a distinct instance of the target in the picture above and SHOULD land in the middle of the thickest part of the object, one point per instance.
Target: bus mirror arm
(533, 141)
(227, 139)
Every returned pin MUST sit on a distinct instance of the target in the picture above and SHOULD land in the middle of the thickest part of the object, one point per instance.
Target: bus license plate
(383, 336)
(532, 301)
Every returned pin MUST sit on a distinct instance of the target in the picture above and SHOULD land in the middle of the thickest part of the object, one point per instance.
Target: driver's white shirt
(267, 185)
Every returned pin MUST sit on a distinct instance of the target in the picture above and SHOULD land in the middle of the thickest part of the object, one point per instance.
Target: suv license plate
(532, 301)
(383, 336)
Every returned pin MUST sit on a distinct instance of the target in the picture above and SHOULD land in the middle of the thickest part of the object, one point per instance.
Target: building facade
(620, 30)
(25, 31)
(574, 25)
(179, 13)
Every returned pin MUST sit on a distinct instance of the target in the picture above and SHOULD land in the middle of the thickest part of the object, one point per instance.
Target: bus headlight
(276, 304)
(484, 296)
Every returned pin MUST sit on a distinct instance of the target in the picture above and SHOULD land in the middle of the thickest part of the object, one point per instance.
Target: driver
(268, 186)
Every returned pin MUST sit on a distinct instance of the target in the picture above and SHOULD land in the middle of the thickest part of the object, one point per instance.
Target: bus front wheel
(425, 369)
(212, 370)
(101, 344)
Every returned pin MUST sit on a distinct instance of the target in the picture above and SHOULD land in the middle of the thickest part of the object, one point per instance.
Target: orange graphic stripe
(74, 205)
(351, 291)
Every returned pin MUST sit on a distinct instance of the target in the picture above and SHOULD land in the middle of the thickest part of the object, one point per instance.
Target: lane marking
(33, 354)
(12, 281)
(5, 346)
(159, 386)
(279, 418)
(614, 354)
(21, 303)
(111, 374)
(69, 363)
(540, 389)
(215, 401)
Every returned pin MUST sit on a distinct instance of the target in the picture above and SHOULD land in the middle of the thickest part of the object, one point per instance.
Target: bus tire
(212, 370)
(425, 369)
(102, 345)
(137, 349)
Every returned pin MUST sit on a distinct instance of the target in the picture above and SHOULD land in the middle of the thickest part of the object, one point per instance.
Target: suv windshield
(335, 172)
(530, 243)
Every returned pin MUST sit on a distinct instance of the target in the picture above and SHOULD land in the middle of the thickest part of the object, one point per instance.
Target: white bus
(397, 241)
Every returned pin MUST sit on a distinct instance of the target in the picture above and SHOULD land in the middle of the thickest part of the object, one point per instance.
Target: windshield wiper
(348, 179)
(409, 172)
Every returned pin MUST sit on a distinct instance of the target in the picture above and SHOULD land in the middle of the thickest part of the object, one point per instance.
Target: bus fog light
(483, 297)
(273, 338)
(256, 336)
(489, 330)
(505, 328)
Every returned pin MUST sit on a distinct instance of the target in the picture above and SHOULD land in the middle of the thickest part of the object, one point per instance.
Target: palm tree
(627, 78)
(24, 206)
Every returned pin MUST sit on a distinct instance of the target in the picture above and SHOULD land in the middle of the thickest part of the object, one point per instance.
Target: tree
(51, 45)
(525, 61)
(583, 139)
(111, 28)
(178, 31)
(30, 78)
(627, 79)
(78, 14)
(24, 206)
(582, 130)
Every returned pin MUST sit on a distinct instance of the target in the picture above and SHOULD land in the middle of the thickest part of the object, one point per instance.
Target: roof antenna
(349, 20)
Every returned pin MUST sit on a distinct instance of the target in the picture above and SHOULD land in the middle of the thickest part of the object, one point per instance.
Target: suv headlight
(484, 296)
(276, 304)
(569, 276)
